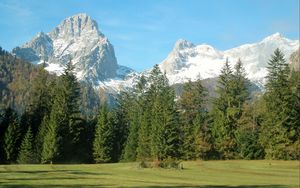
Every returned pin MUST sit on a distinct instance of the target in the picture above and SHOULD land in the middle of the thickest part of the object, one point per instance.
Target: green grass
(207, 174)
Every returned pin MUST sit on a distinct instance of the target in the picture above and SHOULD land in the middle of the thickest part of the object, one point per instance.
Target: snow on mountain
(188, 61)
(77, 38)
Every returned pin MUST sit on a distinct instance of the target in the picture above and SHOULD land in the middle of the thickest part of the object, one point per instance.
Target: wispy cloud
(15, 9)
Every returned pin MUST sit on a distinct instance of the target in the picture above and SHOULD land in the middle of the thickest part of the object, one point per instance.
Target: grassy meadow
(207, 174)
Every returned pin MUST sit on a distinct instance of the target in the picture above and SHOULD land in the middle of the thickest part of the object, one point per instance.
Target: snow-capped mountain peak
(187, 61)
(77, 38)
(76, 26)
(183, 44)
(275, 36)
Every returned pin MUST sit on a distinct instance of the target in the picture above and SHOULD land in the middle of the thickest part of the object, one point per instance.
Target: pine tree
(164, 127)
(143, 107)
(40, 99)
(232, 93)
(222, 124)
(120, 132)
(127, 99)
(104, 137)
(39, 139)
(11, 138)
(64, 125)
(171, 130)
(248, 133)
(70, 132)
(26, 154)
(130, 150)
(293, 105)
(282, 117)
(135, 146)
(7, 117)
(240, 93)
(51, 140)
(193, 115)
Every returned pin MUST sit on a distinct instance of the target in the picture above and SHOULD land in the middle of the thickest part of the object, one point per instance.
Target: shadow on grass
(172, 186)
(52, 186)
(216, 186)
(53, 171)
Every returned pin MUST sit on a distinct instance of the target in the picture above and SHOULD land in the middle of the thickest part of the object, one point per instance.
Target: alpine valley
(78, 38)
(66, 100)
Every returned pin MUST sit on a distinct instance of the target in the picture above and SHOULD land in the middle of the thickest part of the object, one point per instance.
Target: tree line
(149, 123)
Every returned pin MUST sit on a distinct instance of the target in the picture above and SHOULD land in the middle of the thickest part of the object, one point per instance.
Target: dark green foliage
(143, 106)
(248, 133)
(85, 146)
(11, 137)
(104, 137)
(51, 140)
(131, 143)
(164, 128)
(40, 99)
(193, 115)
(40, 138)
(89, 101)
(232, 93)
(127, 106)
(64, 124)
(6, 115)
(282, 111)
(57, 120)
(153, 120)
(120, 134)
(26, 153)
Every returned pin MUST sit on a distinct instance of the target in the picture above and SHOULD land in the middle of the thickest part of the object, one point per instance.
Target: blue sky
(143, 32)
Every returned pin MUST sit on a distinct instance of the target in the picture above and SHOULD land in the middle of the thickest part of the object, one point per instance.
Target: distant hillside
(16, 77)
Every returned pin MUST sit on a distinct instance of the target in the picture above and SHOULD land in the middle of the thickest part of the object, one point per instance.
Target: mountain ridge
(78, 38)
(183, 64)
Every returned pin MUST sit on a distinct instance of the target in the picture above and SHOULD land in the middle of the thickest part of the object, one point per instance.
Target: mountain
(188, 61)
(77, 38)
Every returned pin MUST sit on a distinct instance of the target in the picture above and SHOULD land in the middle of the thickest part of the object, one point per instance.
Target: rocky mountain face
(78, 39)
(188, 61)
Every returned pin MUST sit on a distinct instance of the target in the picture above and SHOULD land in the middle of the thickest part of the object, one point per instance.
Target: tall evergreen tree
(104, 137)
(248, 133)
(40, 100)
(143, 102)
(51, 140)
(280, 130)
(164, 127)
(26, 153)
(126, 100)
(193, 116)
(11, 137)
(135, 145)
(7, 116)
(64, 120)
(222, 123)
(232, 93)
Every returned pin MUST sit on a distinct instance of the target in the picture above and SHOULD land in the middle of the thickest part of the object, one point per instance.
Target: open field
(207, 174)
